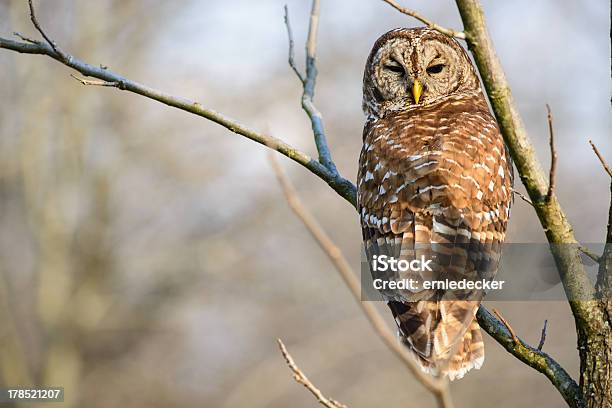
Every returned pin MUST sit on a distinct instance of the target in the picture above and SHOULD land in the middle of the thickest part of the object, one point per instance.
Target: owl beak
(417, 90)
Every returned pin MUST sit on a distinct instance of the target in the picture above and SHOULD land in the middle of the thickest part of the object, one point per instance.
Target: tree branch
(308, 85)
(532, 357)
(439, 387)
(601, 159)
(428, 23)
(554, 221)
(543, 336)
(63, 56)
(505, 323)
(553, 155)
(344, 187)
(522, 197)
(291, 57)
(301, 378)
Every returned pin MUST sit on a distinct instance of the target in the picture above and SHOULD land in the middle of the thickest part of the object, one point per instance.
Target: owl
(434, 182)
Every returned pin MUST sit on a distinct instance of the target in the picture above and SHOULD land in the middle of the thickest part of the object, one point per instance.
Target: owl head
(413, 67)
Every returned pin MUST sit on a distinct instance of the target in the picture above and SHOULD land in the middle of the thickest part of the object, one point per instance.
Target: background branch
(601, 159)
(301, 378)
(553, 155)
(427, 22)
(439, 387)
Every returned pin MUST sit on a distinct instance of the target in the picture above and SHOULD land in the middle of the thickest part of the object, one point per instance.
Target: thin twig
(428, 23)
(301, 378)
(313, 28)
(438, 387)
(64, 57)
(553, 156)
(308, 84)
(589, 253)
(522, 197)
(543, 336)
(291, 46)
(601, 159)
(505, 322)
(24, 38)
(94, 83)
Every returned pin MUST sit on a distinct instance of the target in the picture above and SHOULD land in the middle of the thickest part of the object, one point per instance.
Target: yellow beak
(417, 90)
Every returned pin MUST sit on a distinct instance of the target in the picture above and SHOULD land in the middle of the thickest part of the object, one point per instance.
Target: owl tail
(448, 348)
(469, 354)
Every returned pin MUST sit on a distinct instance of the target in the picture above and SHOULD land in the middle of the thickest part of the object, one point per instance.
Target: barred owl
(434, 179)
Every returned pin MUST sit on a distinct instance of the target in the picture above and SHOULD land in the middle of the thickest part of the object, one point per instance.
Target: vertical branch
(315, 116)
(558, 230)
(592, 317)
(291, 58)
(553, 155)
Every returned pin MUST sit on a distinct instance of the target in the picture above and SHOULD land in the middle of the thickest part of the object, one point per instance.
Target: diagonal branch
(532, 357)
(601, 159)
(301, 378)
(543, 336)
(110, 79)
(63, 56)
(428, 23)
(438, 387)
(558, 230)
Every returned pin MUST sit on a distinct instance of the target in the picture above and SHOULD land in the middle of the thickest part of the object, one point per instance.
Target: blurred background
(147, 256)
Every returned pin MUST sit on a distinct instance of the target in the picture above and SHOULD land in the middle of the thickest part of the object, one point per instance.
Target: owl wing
(437, 184)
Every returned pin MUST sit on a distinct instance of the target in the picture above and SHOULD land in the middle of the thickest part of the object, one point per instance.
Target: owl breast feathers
(434, 180)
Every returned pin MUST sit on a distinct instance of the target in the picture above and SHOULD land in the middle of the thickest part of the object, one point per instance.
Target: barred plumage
(435, 180)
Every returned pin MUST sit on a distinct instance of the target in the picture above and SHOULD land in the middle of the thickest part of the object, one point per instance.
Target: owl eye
(435, 69)
(394, 67)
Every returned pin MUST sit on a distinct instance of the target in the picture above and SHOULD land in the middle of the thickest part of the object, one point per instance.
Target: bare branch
(555, 223)
(553, 155)
(308, 83)
(24, 38)
(63, 56)
(543, 336)
(301, 378)
(505, 322)
(535, 358)
(522, 197)
(601, 159)
(291, 46)
(589, 253)
(313, 28)
(428, 23)
(343, 187)
(438, 387)
(94, 83)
